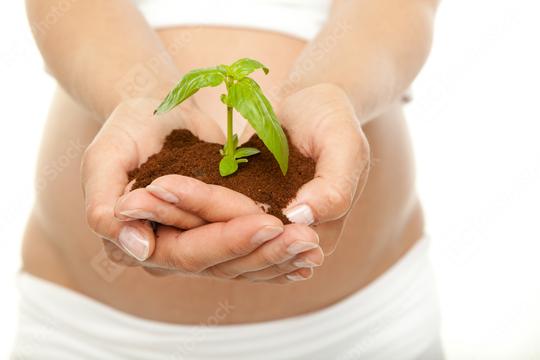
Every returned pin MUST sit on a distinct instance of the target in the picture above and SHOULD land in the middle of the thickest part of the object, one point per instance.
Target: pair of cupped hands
(209, 230)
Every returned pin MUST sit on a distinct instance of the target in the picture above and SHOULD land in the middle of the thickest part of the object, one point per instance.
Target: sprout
(244, 95)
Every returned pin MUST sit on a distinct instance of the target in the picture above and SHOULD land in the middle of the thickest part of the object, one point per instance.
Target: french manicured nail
(134, 243)
(301, 246)
(295, 277)
(163, 194)
(301, 214)
(266, 233)
(138, 214)
(304, 264)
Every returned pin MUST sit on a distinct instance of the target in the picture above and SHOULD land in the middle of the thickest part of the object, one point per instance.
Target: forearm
(371, 49)
(101, 52)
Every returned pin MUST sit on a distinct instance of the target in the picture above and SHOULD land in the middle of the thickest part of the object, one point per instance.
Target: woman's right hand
(221, 233)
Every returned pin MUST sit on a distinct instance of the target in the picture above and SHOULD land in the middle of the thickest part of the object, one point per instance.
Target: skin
(209, 249)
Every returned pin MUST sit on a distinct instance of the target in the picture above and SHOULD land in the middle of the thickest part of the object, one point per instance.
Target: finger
(307, 260)
(212, 203)
(140, 204)
(295, 240)
(195, 250)
(342, 162)
(104, 178)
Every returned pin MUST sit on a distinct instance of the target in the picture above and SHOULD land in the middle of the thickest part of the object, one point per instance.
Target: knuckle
(273, 256)
(184, 263)
(236, 248)
(297, 232)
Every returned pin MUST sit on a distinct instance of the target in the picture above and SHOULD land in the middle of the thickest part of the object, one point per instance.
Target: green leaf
(247, 98)
(189, 85)
(245, 152)
(223, 99)
(235, 140)
(243, 67)
(223, 68)
(227, 166)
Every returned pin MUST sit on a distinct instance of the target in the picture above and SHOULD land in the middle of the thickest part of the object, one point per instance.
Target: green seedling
(244, 95)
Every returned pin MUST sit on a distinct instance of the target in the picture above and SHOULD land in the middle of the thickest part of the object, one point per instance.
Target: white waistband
(299, 18)
(395, 317)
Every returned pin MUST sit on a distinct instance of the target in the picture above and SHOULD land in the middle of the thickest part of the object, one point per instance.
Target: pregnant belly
(58, 245)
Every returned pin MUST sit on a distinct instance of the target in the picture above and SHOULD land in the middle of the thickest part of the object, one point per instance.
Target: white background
(475, 124)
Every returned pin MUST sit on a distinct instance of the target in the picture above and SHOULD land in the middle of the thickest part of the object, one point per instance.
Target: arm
(94, 46)
(371, 49)
(358, 66)
(91, 48)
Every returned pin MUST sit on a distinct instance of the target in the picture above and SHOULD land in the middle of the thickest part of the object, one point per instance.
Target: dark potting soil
(260, 178)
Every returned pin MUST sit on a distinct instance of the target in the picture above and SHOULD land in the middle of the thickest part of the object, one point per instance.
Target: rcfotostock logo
(199, 339)
(142, 78)
(310, 59)
(54, 168)
(108, 269)
(55, 13)
(139, 80)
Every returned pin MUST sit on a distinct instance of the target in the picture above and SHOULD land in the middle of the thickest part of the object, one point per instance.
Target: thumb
(104, 176)
(343, 159)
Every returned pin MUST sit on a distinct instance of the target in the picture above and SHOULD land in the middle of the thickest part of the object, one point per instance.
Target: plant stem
(230, 144)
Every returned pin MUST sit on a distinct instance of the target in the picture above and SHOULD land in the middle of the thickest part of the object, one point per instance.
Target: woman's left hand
(322, 123)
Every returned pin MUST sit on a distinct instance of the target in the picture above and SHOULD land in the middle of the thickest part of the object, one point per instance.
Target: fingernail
(304, 264)
(300, 246)
(295, 277)
(163, 194)
(266, 233)
(134, 243)
(138, 214)
(300, 214)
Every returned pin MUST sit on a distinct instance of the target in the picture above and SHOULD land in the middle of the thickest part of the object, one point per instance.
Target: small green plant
(244, 95)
